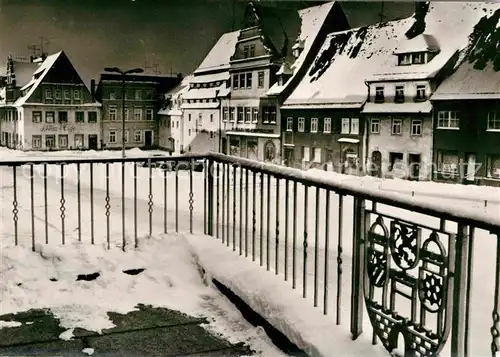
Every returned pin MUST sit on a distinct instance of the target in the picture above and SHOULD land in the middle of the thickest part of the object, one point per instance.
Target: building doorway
(269, 152)
(148, 139)
(93, 142)
(376, 164)
(414, 165)
(289, 157)
(470, 173)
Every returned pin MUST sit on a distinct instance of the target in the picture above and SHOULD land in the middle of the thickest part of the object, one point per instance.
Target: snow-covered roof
(219, 56)
(203, 93)
(180, 88)
(470, 83)
(209, 105)
(421, 43)
(312, 19)
(171, 112)
(397, 108)
(213, 77)
(349, 58)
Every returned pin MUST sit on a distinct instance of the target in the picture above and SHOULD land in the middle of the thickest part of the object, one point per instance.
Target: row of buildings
(416, 97)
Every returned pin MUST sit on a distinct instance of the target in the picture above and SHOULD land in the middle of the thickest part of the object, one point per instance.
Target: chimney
(92, 89)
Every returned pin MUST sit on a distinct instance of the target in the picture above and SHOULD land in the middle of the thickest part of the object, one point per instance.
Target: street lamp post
(123, 74)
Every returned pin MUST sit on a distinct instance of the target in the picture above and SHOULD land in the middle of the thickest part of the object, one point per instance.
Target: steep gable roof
(349, 58)
(219, 56)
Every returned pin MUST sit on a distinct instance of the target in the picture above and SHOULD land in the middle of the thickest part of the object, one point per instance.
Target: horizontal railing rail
(406, 263)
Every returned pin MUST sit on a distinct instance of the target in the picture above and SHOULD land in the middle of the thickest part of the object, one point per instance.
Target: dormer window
(405, 59)
(400, 94)
(421, 95)
(379, 94)
(418, 58)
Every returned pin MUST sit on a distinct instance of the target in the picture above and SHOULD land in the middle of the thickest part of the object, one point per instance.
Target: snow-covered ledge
(284, 308)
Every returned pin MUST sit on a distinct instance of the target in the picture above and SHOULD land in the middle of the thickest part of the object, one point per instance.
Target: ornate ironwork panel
(408, 286)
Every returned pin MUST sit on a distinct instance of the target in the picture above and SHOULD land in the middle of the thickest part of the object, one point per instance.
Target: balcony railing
(407, 265)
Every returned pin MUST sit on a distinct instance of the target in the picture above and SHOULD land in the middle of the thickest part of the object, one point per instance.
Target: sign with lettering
(58, 128)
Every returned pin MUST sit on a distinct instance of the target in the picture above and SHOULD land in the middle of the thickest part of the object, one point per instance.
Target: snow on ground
(171, 279)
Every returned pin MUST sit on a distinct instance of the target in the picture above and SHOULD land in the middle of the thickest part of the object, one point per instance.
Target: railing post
(210, 197)
(359, 231)
(458, 333)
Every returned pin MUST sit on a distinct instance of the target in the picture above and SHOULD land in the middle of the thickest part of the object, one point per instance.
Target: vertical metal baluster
(228, 213)
(136, 239)
(469, 289)
(234, 207)
(92, 238)
(205, 196)
(277, 241)
(107, 206)
(176, 199)
(254, 212)
(287, 192)
(223, 211)
(261, 243)
(339, 259)
(124, 242)
(62, 208)
(360, 222)
(210, 198)
(241, 212)
(327, 250)
(246, 212)
(15, 210)
(32, 190)
(218, 204)
(495, 314)
(316, 250)
(78, 192)
(150, 199)
(165, 201)
(191, 201)
(305, 245)
(294, 237)
(268, 214)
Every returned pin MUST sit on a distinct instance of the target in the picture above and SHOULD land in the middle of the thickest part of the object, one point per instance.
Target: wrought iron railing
(405, 264)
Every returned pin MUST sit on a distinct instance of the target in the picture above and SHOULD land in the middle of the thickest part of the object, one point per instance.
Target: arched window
(269, 151)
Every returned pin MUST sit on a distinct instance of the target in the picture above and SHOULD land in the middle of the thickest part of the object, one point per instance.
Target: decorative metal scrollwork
(400, 269)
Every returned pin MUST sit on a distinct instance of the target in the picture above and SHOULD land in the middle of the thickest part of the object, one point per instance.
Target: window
(49, 117)
(149, 114)
(242, 80)
(126, 136)
(405, 59)
(416, 127)
(63, 141)
(80, 117)
(112, 113)
(301, 125)
(251, 51)
(48, 94)
(138, 136)
(92, 117)
(260, 79)
(50, 141)
(421, 92)
(189, 117)
(225, 114)
(379, 94)
(355, 126)
(249, 80)
(57, 94)
(240, 114)
(395, 161)
(418, 58)
(265, 118)
(245, 51)
(272, 115)
(306, 154)
(397, 125)
(62, 117)
(36, 117)
(255, 116)
(448, 120)
(211, 118)
(36, 141)
(317, 155)
(400, 94)
(148, 94)
(66, 94)
(345, 126)
(447, 161)
(375, 126)
(137, 114)
(248, 115)
(177, 124)
(314, 125)
(112, 95)
(189, 132)
(77, 94)
(138, 94)
(327, 125)
(112, 137)
(493, 166)
(289, 124)
(235, 81)
(78, 141)
(232, 114)
(126, 114)
(493, 121)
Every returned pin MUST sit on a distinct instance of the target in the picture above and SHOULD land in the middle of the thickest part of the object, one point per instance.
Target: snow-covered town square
(249, 178)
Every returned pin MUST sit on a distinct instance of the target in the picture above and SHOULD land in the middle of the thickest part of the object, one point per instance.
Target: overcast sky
(175, 34)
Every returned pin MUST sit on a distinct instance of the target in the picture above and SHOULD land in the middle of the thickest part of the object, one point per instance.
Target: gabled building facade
(144, 94)
(54, 110)
(467, 114)
(398, 109)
